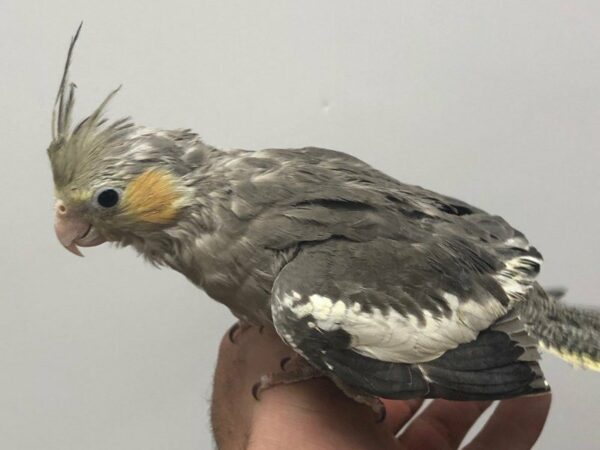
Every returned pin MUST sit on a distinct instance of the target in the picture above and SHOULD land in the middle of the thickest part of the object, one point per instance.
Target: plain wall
(495, 102)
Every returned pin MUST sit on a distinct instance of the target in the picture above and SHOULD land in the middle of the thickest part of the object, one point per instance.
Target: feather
(62, 110)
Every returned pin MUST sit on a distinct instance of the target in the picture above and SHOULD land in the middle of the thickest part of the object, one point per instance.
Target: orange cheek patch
(151, 197)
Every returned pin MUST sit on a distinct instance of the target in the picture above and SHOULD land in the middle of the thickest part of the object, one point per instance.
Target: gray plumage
(389, 288)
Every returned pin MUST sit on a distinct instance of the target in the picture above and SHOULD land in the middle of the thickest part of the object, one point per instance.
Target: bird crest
(92, 134)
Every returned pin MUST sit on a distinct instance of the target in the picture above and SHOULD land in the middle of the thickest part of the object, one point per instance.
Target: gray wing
(388, 285)
(397, 302)
(399, 320)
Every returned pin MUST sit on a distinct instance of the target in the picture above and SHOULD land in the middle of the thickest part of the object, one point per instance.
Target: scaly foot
(373, 402)
(293, 370)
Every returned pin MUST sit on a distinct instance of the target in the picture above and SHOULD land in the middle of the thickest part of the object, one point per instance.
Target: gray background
(495, 102)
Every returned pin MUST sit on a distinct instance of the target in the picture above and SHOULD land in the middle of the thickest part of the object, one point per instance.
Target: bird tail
(571, 333)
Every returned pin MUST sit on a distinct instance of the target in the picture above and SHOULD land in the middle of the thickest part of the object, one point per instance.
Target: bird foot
(237, 330)
(293, 370)
(373, 402)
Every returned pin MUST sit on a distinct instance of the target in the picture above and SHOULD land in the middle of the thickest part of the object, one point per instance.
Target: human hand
(316, 415)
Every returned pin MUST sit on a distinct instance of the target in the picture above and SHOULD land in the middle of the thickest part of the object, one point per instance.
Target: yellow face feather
(151, 197)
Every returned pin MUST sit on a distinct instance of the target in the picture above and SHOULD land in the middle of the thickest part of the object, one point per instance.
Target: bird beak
(72, 232)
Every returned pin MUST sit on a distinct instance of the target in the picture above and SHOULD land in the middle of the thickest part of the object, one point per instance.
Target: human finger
(516, 424)
(399, 412)
(443, 425)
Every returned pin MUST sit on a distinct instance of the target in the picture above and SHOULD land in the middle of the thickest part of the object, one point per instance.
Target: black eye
(107, 198)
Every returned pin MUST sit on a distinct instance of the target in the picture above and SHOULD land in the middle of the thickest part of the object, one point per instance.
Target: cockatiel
(391, 290)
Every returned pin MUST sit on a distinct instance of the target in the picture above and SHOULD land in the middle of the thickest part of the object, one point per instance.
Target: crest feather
(61, 115)
(63, 109)
(75, 152)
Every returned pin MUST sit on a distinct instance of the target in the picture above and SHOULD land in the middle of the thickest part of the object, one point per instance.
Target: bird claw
(256, 390)
(231, 332)
(237, 329)
(380, 412)
(284, 362)
(265, 382)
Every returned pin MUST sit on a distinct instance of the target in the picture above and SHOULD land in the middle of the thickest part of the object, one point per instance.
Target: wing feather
(396, 302)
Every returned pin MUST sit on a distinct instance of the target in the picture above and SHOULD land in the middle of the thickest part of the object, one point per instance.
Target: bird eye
(108, 197)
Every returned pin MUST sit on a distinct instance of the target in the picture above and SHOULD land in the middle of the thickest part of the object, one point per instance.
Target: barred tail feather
(572, 334)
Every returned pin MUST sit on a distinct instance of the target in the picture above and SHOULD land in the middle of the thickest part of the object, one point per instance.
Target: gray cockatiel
(389, 289)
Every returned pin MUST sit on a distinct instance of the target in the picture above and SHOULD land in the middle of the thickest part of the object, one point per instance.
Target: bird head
(113, 180)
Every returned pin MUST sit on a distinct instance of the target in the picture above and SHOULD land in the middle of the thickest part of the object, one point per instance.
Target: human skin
(316, 415)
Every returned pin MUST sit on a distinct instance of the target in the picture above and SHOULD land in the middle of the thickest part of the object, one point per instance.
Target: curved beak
(72, 232)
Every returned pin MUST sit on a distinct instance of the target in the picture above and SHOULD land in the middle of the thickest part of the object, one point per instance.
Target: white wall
(495, 102)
